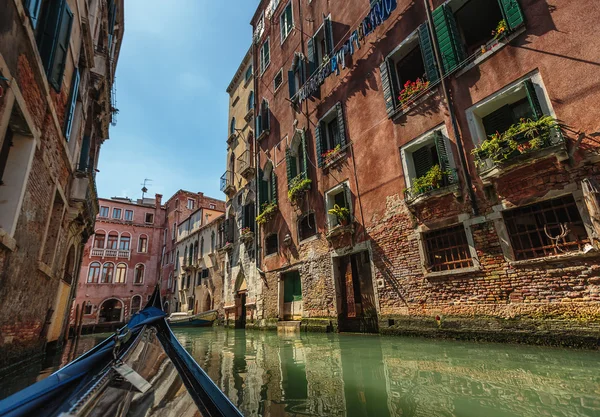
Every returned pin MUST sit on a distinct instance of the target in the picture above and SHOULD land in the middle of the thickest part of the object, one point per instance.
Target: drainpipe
(257, 255)
(459, 143)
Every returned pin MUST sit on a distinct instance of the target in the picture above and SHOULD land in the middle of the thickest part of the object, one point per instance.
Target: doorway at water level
(240, 309)
(355, 296)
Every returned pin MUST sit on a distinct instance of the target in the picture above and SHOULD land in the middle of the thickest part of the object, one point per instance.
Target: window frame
(283, 25)
(193, 205)
(117, 270)
(276, 87)
(329, 197)
(97, 273)
(301, 238)
(264, 65)
(107, 212)
(276, 246)
(146, 218)
(125, 216)
(142, 237)
(135, 274)
(115, 210)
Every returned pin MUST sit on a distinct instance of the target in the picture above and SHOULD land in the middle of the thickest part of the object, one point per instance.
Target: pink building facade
(121, 261)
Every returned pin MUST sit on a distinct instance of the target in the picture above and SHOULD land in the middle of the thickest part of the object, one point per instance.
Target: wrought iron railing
(226, 180)
(449, 178)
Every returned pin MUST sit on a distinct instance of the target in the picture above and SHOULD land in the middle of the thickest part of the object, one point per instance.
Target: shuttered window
(53, 40)
(265, 56)
(433, 152)
(526, 108)
(450, 44)
(248, 216)
(320, 45)
(330, 133)
(263, 120)
(415, 60)
(296, 162)
(33, 10)
(513, 15)
(70, 113)
(286, 22)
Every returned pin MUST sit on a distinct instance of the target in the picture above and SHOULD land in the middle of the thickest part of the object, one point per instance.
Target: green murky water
(367, 375)
(357, 375)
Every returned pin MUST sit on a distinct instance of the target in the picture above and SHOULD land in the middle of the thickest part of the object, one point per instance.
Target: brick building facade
(121, 262)
(179, 208)
(57, 65)
(447, 216)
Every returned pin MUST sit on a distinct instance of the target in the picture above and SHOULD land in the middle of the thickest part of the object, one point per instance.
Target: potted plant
(342, 214)
(298, 186)
(434, 178)
(501, 29)
(410, 89)
(330, 154)
(267, 212)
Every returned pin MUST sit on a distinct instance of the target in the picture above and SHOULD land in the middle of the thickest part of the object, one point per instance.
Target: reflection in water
(354, 375)
(357, 376)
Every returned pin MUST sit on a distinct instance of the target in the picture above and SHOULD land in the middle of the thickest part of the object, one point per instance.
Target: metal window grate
(531, 227)
(447, 249)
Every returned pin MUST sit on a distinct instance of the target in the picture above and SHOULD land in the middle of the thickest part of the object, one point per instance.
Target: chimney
(158, 198)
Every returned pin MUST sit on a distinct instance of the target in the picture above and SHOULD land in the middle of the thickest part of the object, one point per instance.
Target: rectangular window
(4, 152)
(476, 21)
(33, 10)
(212, 206)
(338, 198)
(447, 249)
(87, 309)
(248, 216)
(103, 211)
(149, 218)
(191, 204)
(320, 46)
(174, 232)
(53, 39)
(265, 56)
(307, 227)
(129, 215)
(286, 22)
(143, 244)
(248, 75)
(271, 244)
(116, 213)
(124, 243)
(278, 80)
(330, 135)
(549, 228)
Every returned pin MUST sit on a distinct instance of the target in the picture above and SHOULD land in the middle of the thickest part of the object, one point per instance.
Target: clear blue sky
(176, 62)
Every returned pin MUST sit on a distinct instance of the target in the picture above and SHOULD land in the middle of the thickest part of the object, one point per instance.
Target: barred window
(447, 249)
(548, 228)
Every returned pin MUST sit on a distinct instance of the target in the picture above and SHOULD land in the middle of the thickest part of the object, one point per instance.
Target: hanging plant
(342, 214)
(267, 212)
(298, 186)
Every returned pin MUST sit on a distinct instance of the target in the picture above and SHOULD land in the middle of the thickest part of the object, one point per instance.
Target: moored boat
(141, 370)
(203, 319)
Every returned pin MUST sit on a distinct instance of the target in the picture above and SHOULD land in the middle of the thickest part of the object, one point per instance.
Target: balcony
(521, 151)
(84, 190)
(227, 185)
(246, 164)
(449, 185)
(110, 253)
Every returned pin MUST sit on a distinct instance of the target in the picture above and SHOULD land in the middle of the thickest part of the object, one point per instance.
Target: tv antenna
(147, 181)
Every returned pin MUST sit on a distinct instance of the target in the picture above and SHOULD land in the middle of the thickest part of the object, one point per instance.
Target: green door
(292, 287)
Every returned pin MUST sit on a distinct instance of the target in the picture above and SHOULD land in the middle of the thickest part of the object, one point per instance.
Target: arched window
(108, 272)
(232, 127)
(202, 247)
(170, 281)
(121, 275)
(136, 303)
(143, 244)
(125, 241)
(69, 265)
(212, 242)
(195, 252)
(177, 262)
(250, 105)
(99, 240)
(94, 272)
(113, 240)
(139, 274)
(193, 249)
(185, 256)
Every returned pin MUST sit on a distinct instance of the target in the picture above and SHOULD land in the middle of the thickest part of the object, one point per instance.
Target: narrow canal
(357, 375)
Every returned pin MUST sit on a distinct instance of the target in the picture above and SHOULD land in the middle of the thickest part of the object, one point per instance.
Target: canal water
(368, 375)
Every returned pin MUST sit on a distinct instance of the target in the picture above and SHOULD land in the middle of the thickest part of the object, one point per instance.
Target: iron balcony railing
(246, 162)
(226, 181)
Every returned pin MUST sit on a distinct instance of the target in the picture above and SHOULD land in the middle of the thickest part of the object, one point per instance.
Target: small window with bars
(278, 80)
(447, 249)
(549, 228)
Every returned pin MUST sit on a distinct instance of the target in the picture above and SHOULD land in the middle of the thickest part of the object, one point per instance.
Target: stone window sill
(7, 241)
(593, 253)
(263, 135)
(440, 192)
(271, 255)
(453, 272)
(401, 111)
(45, 269)
(310, 239)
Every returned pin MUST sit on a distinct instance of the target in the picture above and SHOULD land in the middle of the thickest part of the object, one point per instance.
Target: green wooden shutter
(311, 51)
(291, 169)
(84, 156)
(62, 48)
(33, 10)
(292, 83)
(266, 116)
(274, 186)
(318, 144)
(70, 114)
(534, 102)
(258, 124)
(304, 156)
(512, 12)
(449, 41)
(422, 160)
(427, 53)
(49, 32)
(498, 121)
(389, 96)
(328, 36)
(297, 288)
(262, 189)
(442, 151)
(341, 125)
